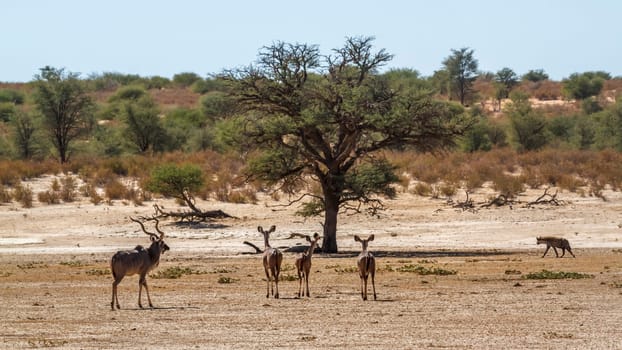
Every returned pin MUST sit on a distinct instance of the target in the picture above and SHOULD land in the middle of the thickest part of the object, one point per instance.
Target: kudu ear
(316, 235)
(371, 238)
(357, 238)
(260, 229)
(308, 239)
(272, 228)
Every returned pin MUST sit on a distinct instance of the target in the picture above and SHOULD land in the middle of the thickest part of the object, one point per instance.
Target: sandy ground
(55, 285)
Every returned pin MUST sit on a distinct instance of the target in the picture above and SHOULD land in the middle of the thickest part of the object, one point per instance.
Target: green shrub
(173, 180)
(185, 79)
(12, 96)
(7, 110)
(128, 93)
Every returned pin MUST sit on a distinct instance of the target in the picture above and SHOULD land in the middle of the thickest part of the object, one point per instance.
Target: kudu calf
(367, 266)
(272, 259)
(303, 262)
(137, 261)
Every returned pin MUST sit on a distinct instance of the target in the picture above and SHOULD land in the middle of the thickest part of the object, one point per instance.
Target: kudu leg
(140, 291)
(307, 283)
(115, 297)
(268, 283)
(143, 282)
(373, 284)
(364, 287)
(147, 290)
(300, 276)
(276, 272)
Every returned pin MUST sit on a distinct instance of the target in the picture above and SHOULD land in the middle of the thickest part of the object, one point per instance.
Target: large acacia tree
(65, 105)
(326, 118)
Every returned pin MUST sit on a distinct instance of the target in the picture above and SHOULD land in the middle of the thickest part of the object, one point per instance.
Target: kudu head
(266, 234)
(313, 241)
(316, 237)
(156, 241)
(364, 242)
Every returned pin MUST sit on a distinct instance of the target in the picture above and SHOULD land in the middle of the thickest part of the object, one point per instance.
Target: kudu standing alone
(303, 263)
(272, 259)
(367, 266)
(137, 261)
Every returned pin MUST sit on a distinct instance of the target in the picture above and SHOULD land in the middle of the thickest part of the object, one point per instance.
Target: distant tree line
(58, 114)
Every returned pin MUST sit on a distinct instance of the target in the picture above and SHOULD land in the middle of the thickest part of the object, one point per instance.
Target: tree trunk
(331, 210)
(63, 154)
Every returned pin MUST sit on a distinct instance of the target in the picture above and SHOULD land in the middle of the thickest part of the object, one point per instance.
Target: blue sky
(155, 37)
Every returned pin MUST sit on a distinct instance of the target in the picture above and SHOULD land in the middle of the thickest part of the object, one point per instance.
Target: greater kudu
(367, 266)
(137, 261)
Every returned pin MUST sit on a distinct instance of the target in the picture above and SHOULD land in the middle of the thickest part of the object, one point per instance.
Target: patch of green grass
(288, 277)
(227, 280)
(552, 275)
(387, 268)
(422, 270)
(72, 263)
(223, 269)
(32, 265)
(98, 272)
(288, 267)
(348, 269)
(175, 272)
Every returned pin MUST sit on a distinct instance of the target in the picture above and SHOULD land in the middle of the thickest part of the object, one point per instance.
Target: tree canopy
(584, 85)
(327, 117)
(461, 66)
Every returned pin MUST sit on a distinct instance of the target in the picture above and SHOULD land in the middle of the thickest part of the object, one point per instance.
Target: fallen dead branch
(194, 215)
(468, 204)
(257, 249)
(546, 198)
(499, 201)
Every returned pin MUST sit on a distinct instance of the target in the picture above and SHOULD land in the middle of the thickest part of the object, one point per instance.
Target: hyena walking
(555, 242)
